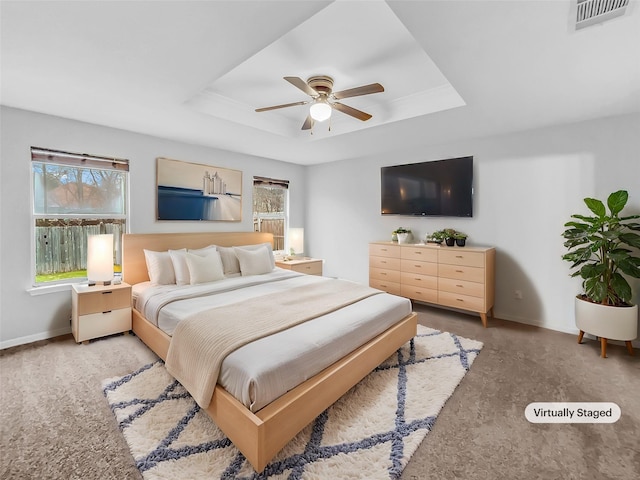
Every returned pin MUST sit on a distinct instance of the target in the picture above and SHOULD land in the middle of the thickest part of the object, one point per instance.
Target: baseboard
(35, 338)
(571, 331)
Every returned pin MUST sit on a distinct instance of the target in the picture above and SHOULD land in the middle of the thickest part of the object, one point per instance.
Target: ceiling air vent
(590, 12)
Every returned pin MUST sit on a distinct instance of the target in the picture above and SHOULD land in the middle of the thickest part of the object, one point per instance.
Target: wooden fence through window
(62, 246)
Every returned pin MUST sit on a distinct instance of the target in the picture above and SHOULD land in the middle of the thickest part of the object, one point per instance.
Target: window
(75, 195)
(270, 208)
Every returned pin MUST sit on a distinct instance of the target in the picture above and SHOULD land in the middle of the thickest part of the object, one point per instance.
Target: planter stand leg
(603, 347)
(629, 347)
(580, 335)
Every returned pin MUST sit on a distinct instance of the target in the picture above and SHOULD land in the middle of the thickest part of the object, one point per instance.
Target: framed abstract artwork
(192, 191)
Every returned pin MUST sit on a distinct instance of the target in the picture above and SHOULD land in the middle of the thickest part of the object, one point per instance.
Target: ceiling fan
(324, 99)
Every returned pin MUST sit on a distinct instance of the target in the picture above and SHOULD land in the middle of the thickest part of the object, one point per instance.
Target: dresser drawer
(390, 287)
(380, 250)
(415, 279)
(100, 324)
(461, 257)
(104, 300)
(421, 294)
(310, 268)
(461, 287)
(415, 266)
(420, 253)
(461, 272)
(465, 302)
(389, 263)
(384, 274)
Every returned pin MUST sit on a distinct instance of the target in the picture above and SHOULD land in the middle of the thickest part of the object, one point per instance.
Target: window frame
(57, 157)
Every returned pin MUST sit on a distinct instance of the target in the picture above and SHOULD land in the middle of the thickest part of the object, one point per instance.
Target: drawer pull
(417, 252)
(104, 293)
(108, 311)
(461, 286)
(459, 256)
(418, 266)
(383, 261)
(459, 271)
(418, 279)
(383, 249)
(382, 273)
(459, 300)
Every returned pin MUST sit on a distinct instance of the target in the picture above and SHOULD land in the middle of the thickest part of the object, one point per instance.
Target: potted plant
(403, 234)
(461, 238)
(436, 237)
(602, 248)
(449, 237)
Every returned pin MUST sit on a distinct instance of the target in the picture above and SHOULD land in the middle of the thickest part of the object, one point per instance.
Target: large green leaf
(586, 219)
(628, 266)
(621, 287)
(592, 270)
(595, 289)
(632, 239)
(596, 206)
(617, 201)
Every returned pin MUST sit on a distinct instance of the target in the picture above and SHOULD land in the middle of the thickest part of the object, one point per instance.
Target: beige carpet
(55, 422)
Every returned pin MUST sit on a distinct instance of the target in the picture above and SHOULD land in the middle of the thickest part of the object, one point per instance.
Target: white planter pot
(612, 323)
(404, 237)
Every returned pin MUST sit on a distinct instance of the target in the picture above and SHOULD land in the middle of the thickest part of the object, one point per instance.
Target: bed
(261, 433)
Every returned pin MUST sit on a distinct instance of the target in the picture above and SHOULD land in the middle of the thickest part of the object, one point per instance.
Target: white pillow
(254, 261)
(230, 263)
(180, 268)
(202, 251)
(160, 268)
(230, 259)
(204, 269)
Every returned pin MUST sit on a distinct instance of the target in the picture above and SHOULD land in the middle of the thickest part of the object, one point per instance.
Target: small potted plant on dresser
(449, 237)
(461, 238)
(436, 237)
(403, 234)
(602, 248)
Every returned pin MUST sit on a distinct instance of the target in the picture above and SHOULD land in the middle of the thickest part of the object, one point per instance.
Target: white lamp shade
(296, 240)
(320, 111)
(100, 258)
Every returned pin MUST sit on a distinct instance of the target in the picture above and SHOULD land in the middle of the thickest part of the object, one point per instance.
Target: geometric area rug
(369, 433)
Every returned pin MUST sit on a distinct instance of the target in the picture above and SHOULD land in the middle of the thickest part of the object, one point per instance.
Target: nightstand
(310, 266)
(99, 310)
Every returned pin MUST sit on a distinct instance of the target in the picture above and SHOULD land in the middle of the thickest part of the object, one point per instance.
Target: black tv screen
(437, 188)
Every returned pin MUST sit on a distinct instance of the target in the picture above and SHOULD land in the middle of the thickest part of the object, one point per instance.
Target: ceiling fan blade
(308, 123)
(265, 109)
(359, 114)
(355, 92)
(302, 85)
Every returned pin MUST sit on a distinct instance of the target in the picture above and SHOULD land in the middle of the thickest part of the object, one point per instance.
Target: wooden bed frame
(261, 435)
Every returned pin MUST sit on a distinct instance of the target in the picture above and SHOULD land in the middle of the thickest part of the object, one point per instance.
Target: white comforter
(261, 371)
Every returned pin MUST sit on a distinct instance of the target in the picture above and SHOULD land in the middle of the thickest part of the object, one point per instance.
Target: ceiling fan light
(320, 111)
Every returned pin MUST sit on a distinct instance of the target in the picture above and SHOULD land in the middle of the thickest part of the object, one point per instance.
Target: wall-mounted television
(436, 188)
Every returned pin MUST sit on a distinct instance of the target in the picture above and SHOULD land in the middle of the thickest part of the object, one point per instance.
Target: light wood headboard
(134, 265)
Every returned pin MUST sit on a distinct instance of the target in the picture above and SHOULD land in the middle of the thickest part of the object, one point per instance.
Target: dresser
(456, 277)
(98, 311)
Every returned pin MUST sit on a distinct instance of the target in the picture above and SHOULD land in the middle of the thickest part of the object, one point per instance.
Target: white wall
(25, 317)
(526, 187)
